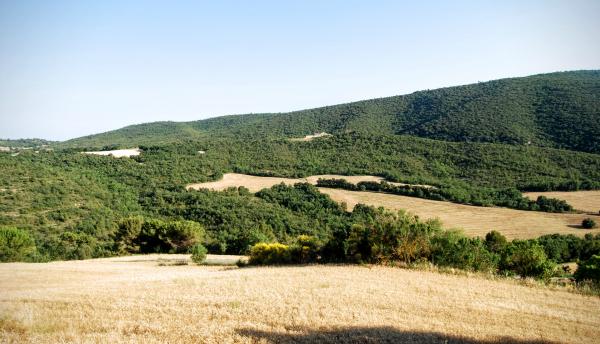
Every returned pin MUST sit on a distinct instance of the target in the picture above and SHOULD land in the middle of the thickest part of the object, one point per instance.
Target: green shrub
(335, 247)
(15, 244)
(588, 223)
(153, 236)
(384, 235)
(589, 269)
(127, 234)
(198, 252)
(270, 253)
(454, 249)
(526, 258)
(359, 244)
(495, 241)
(182, 235)
(76, 245)
(306, 249)
(567, 248)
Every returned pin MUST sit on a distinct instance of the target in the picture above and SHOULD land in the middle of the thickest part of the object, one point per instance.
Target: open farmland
(587, 201)
(255, 183)
(475, 221)
(133, 299)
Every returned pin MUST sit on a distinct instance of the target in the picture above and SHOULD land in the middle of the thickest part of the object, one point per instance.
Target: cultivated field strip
(587, 201)
(132, 299)
(475, 221)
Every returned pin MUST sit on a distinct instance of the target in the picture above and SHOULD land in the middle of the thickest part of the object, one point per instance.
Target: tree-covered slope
(559, 110)
(25, 143)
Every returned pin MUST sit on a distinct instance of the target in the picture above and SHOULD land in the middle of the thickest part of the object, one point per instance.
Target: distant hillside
(24, 143)
(559, 110)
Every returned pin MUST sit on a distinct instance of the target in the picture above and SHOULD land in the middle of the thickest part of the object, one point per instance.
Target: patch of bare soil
(118, 153)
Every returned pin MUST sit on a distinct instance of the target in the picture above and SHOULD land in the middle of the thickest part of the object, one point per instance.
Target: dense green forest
(51, 192)
(477, 144)
(557, 110)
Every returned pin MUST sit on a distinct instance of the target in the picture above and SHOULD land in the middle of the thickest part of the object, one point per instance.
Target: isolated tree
(198, 252)
(588, 223)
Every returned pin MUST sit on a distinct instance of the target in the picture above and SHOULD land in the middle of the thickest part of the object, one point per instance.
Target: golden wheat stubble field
(587, 201)
(134, 299)
(475, 221)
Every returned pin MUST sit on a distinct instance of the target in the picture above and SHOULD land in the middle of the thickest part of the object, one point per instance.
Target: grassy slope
(132, 299)
(558, 110)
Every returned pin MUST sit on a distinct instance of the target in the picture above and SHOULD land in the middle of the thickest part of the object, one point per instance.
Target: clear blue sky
(72, 68)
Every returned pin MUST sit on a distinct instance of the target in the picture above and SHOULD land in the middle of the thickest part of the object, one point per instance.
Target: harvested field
(133, 299)
(255, 183)
(475, 221)
(587, 201)
(118, 153)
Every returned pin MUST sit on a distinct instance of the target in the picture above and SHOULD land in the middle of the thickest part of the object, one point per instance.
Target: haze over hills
(558, 110)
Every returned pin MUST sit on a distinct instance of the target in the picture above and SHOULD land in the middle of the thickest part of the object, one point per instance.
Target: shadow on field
(373, 335)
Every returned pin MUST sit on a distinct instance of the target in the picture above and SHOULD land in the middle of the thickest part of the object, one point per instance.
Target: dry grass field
(134, 299)
(475, 221)
(587, 201)
(254, 183)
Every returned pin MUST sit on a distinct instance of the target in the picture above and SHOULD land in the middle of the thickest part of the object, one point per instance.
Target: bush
(198, 252)
(266, 254)
(136, 235)
(76, 245)
(336, 246)
(15, 244)
(526, 258)
(127, 234)
(359, 244)
(589, 270)
(451, 248)
(588, 223)
(495, 241)
(390, 236)
(306, 249)
(565, 248)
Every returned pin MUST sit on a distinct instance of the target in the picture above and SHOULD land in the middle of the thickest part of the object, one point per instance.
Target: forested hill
(24, 143)
(559, 110)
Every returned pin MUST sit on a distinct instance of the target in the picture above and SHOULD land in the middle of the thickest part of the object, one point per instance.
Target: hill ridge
(558, 110)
